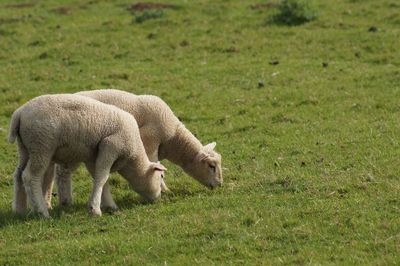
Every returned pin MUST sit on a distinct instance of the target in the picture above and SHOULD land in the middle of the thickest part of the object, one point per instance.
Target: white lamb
(163, 136)
(69, 129)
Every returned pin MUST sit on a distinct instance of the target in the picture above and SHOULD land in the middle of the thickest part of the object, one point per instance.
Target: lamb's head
(149, 186)
(206, 167)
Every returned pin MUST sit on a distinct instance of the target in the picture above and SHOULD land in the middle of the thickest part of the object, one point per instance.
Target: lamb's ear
(210, 146)
(158, 166)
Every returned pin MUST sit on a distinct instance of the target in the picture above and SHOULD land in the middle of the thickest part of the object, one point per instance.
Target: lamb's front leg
(106, 157)
(164, 187)
(64, 183)
(100, 179)
(107, 200)
(152, 153)
(147, 135)
(153, 157)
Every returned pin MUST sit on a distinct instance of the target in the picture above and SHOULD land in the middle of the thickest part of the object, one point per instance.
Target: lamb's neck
(182, 148)
(135, 167)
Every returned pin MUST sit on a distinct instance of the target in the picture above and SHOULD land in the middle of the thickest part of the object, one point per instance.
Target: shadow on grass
(131, 201)
(9, 218)
(127, 202)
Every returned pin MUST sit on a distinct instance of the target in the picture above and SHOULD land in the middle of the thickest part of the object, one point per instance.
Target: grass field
(307, 119)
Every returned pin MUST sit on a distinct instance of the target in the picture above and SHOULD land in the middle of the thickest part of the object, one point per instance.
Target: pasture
(306, 118)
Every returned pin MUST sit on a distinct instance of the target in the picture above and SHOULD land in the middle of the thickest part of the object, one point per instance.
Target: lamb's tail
(14, 125)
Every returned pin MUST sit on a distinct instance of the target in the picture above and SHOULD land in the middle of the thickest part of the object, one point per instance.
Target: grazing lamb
(163, 136)
(68, 129)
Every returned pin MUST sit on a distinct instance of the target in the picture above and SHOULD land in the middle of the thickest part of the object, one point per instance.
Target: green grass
(311, 157)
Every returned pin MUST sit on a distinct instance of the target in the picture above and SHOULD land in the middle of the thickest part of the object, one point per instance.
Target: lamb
(68, 129)
(163, 136)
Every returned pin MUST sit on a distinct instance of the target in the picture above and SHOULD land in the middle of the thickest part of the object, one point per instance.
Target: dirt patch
(264, 6)
(184, 43)
(141, 6)
(20, 5)
(63, 10)
(119, 76)
(9, 20)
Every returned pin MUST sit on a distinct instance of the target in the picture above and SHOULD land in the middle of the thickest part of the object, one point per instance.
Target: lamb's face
(206, 167)
(150, 186)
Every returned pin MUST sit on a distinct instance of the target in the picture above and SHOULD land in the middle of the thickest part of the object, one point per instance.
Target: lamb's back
(70, 124)
(149, 111)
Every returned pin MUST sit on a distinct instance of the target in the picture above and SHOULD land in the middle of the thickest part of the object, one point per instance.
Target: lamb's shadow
(126, 203)
(180, 193)
(8, 217)
(175, 195)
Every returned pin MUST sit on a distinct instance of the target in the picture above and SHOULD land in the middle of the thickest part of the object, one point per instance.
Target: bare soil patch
(63, 10)
(9, 20)
(264, 6)
(141, 6)
(20, 5)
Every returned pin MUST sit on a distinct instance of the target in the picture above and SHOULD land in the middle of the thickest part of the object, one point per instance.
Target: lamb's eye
(212, 167)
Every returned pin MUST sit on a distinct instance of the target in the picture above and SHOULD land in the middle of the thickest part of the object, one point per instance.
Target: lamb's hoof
(48, 205)
(19, 210)
(165, 190)
(111, 209)
(94, 212)
(44, 215)
(65, 203)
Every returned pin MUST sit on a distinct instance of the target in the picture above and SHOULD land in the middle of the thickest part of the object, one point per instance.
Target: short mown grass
(307, 119)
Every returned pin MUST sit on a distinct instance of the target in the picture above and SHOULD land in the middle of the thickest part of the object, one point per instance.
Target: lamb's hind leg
(20, 200)
(33, 178)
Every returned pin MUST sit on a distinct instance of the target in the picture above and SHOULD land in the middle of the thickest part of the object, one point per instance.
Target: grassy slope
(312, 157)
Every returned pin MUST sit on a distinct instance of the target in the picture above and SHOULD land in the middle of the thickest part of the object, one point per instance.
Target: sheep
(68, 129)
(163, 136)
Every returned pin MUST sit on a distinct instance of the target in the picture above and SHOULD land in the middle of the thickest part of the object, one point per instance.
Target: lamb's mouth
(213, 185)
